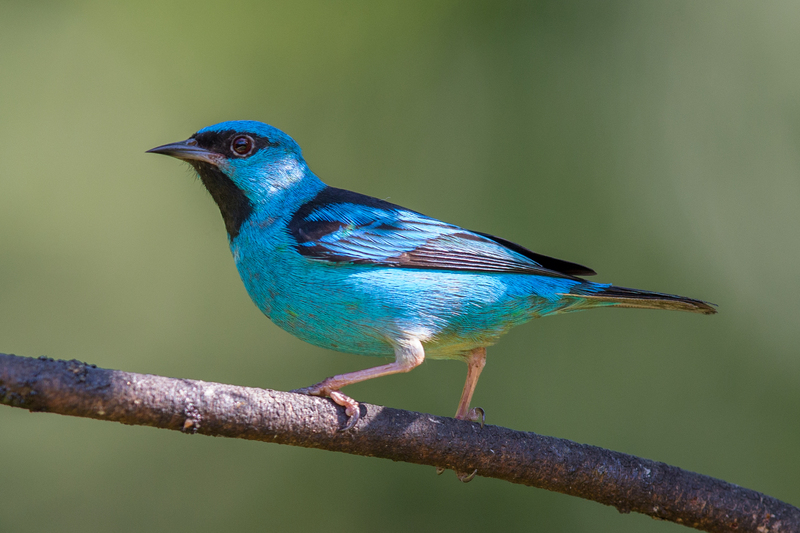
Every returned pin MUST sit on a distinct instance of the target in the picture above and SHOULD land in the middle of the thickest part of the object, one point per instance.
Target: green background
(657, 143)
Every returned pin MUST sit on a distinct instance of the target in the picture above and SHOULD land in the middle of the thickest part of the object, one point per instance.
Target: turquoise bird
(356, 274)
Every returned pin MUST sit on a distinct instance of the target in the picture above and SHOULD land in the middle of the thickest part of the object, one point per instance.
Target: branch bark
(623, 481)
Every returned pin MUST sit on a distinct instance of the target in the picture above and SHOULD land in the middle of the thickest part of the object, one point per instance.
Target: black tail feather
(624, 297)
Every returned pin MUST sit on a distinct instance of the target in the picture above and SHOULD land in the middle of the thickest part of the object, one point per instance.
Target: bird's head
(242, 164)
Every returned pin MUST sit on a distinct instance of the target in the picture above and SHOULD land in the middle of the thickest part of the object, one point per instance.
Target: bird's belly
(362, 309)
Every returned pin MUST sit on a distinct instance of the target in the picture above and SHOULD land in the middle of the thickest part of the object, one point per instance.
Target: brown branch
(626, 482)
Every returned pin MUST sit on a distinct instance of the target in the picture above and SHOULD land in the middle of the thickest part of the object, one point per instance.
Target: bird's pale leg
(408, 355)
(475, 363)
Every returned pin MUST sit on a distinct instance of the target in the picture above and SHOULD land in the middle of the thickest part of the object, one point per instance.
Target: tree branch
(626, 482)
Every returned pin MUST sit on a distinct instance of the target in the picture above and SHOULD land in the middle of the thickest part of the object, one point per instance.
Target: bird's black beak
(187, 150)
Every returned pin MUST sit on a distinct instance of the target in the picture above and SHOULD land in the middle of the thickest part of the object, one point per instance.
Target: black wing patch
(346, 227)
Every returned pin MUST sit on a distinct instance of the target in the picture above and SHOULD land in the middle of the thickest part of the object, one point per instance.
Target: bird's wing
(345, 227)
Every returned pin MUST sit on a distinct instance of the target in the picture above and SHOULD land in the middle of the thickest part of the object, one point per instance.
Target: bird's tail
(596, 295)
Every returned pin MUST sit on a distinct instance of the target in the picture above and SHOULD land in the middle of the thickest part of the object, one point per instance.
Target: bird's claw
(462, 476)
(466, 478)
(351, 408)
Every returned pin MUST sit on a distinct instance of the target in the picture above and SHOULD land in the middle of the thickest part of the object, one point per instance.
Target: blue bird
(357, 274)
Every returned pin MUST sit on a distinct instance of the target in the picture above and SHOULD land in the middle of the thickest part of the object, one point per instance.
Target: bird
(361, 275)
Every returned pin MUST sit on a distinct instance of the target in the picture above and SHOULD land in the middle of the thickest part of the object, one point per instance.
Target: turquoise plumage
(356, 274)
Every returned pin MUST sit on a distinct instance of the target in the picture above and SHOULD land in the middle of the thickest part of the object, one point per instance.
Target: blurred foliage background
(654, 142)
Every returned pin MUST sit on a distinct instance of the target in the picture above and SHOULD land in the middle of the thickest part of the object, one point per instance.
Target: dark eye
(242, 145)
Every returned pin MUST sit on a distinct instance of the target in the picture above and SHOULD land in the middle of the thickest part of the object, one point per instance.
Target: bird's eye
(242, 145)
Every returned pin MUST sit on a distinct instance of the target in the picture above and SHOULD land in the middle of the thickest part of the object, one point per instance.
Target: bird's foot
(476, 414)
(351, 407)
(462, 476)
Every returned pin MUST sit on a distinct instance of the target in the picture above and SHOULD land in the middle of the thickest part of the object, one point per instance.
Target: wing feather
(345, 227)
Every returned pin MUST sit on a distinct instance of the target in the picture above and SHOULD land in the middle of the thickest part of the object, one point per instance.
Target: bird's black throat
(234, 205)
